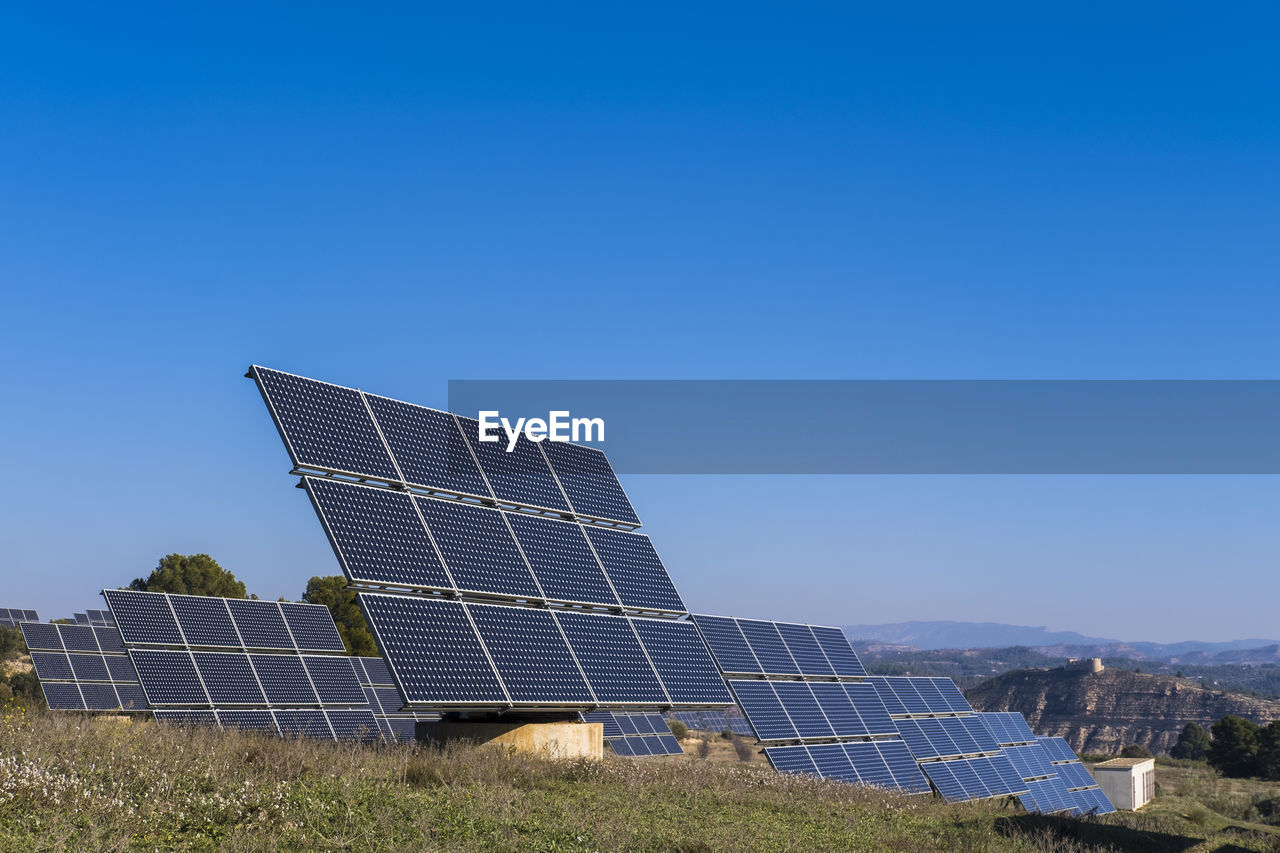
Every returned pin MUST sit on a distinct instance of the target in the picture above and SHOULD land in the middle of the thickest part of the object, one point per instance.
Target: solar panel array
(277, 667)
(1082, 791)
(11, 617)
(952, 745)
(342, 431)
(803, 692)
(83, 668)
(1046, 792)
(635, 735)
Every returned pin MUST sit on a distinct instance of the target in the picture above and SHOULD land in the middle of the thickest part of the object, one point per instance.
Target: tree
(1192, 744)
(1269, 751)
(193, 574)
(332, 592)
(1234, 749)
(1134, 750)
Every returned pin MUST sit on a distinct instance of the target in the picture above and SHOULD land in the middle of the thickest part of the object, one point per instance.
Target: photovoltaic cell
(428, 447)
(835, 645)
(325, 426)
(41, 635)
(589, 480)
(635, 569)
(52, 666)
(260, 624)
(205, 621)
(519, 477)
(612, 658)
(60, 696)
(531, 655)
(562, 560)
(684, 666)
(433, 649)
(144, 617)
(766, 643)
(804, 649)
(377, 535)
(478, 548)
(78, 638)
(728, 645)
(89, 667)
(312, 627)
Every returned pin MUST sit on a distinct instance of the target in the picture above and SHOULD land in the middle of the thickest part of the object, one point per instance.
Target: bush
(1133, 750)
(679, 729)
(12, 643)
(704, 747)
(743, 748)
(727, 734)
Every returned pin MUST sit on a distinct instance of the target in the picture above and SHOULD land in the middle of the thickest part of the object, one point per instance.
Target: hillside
(1101, 713)
(68, 783)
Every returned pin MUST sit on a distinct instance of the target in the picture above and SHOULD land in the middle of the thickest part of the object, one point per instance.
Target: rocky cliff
(1103, 712)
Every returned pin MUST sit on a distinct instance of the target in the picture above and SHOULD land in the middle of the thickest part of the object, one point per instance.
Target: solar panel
(607, 720)
(764, 710)
(833, 762)
(531, 655)
(974, 778)
(589, 482)
(521, 476)
(478, 548)
(433, 649)
(1091, 801)
(168, 677)
(41, 635)
(803, 709)
(228, 678)
(635, 570)
(255, 721)
(109, 639)
(311, 724)
(325, 427)
(205, 621)
(951, 694)
(1007, 727)
(838, 709)
(428, 447)
(259, 623)
(728, 644)
(904, 769)
(887, 695)
(934, 701)
(1058, 749)
(312, 627)
(144, 617)
(835, 645)
(791, 759)
(872, 711)
(358, 726)
(682, 662)
(78, 638)
(99, 696)
(615, 663)
(89, 667)
(376, 670)
(804, 649)
(563, 562)
(907, 694)
(284, 680)
(1074, 775)
(377, 535)
(766, 643)
(52, 666)
(1030, 760)
(62, 696)
(186, 717)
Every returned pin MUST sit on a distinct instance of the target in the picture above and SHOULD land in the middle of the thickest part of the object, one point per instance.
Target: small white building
(1129, 783)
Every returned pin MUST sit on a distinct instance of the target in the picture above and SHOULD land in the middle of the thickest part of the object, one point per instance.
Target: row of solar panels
(635, 734)
(811, 710)
(447, 653)
(388, 538)
(344, 431)
(714, 721)
(759, 647)
(350, 724)
(11, 616)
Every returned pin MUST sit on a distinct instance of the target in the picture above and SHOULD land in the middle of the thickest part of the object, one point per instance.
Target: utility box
(1129, 783)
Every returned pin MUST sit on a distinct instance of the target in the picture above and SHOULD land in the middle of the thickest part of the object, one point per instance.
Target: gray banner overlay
(909, 426)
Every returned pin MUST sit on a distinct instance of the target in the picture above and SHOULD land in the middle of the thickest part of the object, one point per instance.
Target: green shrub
(679, 729)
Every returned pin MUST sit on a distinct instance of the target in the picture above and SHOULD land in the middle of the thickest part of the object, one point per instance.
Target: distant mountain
(985, 635)
(1103, 712)
(966, 635)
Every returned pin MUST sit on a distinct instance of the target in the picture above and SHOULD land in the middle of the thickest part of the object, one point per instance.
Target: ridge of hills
(1104, 712)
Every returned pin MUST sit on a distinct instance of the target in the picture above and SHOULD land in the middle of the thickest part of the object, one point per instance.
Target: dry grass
(75, 783)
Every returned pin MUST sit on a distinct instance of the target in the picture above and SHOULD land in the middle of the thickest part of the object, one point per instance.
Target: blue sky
(393, 199)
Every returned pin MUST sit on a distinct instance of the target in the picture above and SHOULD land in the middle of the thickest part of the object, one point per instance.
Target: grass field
(74, 783)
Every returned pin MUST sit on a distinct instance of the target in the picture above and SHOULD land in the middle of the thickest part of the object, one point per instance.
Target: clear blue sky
(391, 199)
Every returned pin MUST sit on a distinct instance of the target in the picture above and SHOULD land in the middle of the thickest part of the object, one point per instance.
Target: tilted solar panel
(728, 644)
(531, 655)
(86, 677)
(325, 427)
(144, 617)
(766, 643)
(312, 627)
(835, 645)
(635, 570)
(791, 759)
(1030, 760)
(684, 666)
(377, 535)
(428, 447)
(588, 480)
(205, 621)
(803, 709)
(1058, 749)
(562, 560)
(520, 476)
(804, 649)
(764, 710)
(610, 654)
(478, 548)
(260, 624)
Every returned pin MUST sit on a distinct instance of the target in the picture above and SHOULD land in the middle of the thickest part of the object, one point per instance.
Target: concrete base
(553, 740)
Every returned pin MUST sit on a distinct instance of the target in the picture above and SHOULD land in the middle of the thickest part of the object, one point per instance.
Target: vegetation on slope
(77, 783)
